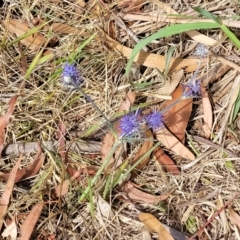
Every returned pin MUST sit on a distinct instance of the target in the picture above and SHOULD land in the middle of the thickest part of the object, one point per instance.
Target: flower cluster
(131, 123)
(71, 77)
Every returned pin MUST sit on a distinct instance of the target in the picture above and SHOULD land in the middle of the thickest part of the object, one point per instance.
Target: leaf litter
(154, 225)
(73, 174)
(4, 121)
(234, 217)
(11, 230)
(5, 199)
(30, 221)
(102, 64)
(29, 171)
(137, 195)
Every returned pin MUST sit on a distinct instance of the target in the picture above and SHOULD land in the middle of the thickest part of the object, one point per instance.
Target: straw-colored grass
(43, 103)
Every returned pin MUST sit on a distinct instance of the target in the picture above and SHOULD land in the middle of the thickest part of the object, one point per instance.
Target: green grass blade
(123, 176)
(224, 28)
(107, 186)
(112, 181)
(74, 55)
(99, 172)
(231, 36)
(45, 58)
(208, 15)
(33, 64)
(167, 32)
(28, 33)
(91, 205)
(236, 108)
(120, 173)
(142, 85)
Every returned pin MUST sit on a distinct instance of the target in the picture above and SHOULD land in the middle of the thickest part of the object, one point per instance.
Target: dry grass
(43, 104)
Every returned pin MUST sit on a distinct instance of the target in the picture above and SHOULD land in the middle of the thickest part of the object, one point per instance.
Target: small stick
(214, 215)
(214, 145)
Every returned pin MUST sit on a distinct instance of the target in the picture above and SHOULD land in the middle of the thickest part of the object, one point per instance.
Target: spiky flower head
(155, 120)
(201, 51)
(70, 76)
(129, 124)
(192, 89)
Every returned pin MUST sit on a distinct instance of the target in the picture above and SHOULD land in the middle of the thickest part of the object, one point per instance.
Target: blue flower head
(192, 89)
(155, 120)
(129, 124)
(70, 76)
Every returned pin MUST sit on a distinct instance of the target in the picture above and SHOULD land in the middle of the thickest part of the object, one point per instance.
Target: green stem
(137, 162)
(99, 172)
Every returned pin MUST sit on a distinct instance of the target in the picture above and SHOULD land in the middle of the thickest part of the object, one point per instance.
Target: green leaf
(229, 165)
(33, 64)
(142, 85)
(168, 59)
(74, 55)
(191, 224)
(31, 31)
(167, 32)
(231, 35)
(236, 107)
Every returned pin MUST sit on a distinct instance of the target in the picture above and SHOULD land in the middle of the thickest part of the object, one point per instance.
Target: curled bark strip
(5, 119)
(78, 146)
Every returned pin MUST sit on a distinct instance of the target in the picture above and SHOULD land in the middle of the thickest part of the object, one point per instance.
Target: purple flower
(192, 89)
(155, 120)
(129, 124)
(70, 76)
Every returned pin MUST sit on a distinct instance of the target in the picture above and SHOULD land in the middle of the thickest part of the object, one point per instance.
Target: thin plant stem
(193, 78)
(171, 105)
(96, 107)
